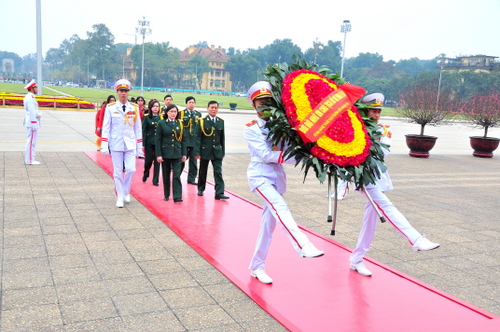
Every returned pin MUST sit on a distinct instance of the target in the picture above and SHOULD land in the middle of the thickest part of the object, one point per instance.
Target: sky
(394, 29)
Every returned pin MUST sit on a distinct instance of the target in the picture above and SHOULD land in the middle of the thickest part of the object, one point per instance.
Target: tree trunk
(486, 131)
(422, 126)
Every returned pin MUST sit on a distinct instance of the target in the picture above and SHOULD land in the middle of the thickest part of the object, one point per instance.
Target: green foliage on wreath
(281, 132)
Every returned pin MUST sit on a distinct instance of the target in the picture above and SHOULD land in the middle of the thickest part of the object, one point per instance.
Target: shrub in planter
(483, 111)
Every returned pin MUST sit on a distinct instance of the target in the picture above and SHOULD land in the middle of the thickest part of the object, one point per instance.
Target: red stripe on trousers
(281, 221)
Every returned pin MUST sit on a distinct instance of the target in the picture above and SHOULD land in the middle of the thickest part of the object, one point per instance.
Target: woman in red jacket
(99, 117)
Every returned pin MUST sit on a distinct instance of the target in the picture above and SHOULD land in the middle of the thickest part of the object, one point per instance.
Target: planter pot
(232, 106)
(483, 146)
(420, 145)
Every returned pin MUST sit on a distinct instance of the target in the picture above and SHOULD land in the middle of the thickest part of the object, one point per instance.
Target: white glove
(105, 152)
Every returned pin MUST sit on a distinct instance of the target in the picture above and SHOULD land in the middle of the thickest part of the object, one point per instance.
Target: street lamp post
(344, 28)
(441, 61)
(143, 29)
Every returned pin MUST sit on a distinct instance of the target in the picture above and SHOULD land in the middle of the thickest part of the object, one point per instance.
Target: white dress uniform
(32, 123)
(122, 136)
(389, 211)
(267, 178)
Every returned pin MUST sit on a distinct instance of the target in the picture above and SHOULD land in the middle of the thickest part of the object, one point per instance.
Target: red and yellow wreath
(344, 140)
(316, 113)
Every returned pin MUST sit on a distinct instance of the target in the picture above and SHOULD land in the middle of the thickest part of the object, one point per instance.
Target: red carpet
(320, 294)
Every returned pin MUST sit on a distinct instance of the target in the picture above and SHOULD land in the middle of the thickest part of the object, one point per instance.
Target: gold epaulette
(134, 104)
(217, 117)
(111, 103)
(251, 123)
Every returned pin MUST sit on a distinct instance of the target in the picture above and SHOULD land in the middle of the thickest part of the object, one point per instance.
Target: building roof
(211, 54)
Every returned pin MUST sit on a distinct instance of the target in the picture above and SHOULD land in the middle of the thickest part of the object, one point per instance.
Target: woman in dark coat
(149, 126)
(171, 151)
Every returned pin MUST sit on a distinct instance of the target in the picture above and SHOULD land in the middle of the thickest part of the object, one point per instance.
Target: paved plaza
(72, 261)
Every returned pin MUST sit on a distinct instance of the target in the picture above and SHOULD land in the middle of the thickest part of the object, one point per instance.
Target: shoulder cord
(202, 126)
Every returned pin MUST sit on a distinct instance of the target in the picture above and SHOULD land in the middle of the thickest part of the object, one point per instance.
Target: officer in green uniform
(210, 146)
(167, 100)
(171, 151)
(189, 118)
(149, 140)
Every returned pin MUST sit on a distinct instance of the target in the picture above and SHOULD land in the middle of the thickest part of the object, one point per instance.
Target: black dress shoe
(177, 200)
(221, 196)
(165, 198)
(193, 182)
(200, 193)
(144, 178)
(155, 184)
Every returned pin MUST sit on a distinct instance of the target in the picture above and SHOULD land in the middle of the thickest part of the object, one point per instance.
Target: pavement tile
(32, 318)
(26, 280)
(26, 297)
(117, 271)
(67, 249)
(75, 275)
(203, 317)
(208, 276)
(111, 257)
(244, 310)
(59, 229)
(158, 321)
(268, 325)
(194, 263)
(159, 266)
(88, 309)
(29, 265)
(114, 324)
(25, 252)
(150, 255)
(225, 292)
(81, 291)
(127, 286)
(187, 297)
(139, 303)
(99, 236)
(173, 280)
(93, 227)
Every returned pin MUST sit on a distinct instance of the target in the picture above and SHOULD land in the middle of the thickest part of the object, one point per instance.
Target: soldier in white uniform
(31, 122)
(267, 178)
(388, 210)
(122, 137)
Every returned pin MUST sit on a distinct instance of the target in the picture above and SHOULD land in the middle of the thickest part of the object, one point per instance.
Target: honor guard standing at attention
(385, 206)
(31, 122)
(171, 151)
(189, 118)
(122, 137)
(149, 126)
(267, 179)
(210, 146)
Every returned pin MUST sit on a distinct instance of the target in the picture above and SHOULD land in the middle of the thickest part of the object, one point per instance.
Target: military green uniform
(170, 145)
(210, 146)
(148, 141)
(189, 120)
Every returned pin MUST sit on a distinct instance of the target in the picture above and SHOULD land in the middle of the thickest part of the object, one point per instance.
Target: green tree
(325, 55)
(198, 66)
(365, 60)
(101, 46)
(411, 66)
(281, 50)
(242, 69)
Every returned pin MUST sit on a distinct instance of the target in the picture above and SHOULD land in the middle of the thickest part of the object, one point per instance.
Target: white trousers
(275, 209)
(122, 183)
(30, 151)
(370, 221)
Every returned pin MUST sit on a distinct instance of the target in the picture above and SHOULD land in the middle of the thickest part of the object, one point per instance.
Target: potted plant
(424, 104)
(232, 106)
(483, 111)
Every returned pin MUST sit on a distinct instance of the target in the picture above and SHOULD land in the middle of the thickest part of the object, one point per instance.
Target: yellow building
(218, 79)
(477, 63)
